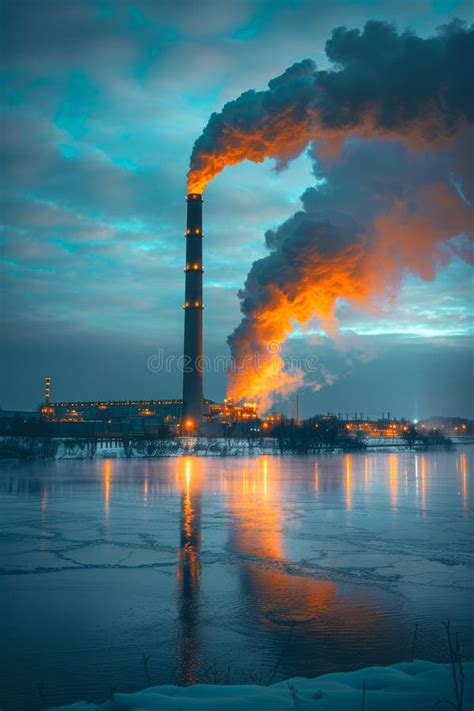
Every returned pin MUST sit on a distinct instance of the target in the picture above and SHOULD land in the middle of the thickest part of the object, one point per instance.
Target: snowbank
(173, 447)
(34, 448)
(410, 686)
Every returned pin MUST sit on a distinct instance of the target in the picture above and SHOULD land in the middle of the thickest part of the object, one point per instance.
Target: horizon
(93, 241)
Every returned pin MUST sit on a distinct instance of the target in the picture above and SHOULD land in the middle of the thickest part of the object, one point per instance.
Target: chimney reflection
(107, 478)
(188, 569)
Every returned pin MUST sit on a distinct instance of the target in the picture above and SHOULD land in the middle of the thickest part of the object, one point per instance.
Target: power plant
(193, 414)
(193, 308)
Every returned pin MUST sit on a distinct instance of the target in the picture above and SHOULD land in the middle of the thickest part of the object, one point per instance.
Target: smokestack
(193, 307)
(47, 390)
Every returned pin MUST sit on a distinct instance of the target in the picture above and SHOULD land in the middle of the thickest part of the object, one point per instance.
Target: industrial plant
(193, 414)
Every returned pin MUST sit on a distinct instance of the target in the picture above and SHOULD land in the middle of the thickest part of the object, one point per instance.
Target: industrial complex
(191, 415)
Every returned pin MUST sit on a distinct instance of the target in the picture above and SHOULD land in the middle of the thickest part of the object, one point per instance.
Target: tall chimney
(47, 390)
(193, 307)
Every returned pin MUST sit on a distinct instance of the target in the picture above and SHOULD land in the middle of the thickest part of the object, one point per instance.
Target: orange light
(348, 463)
(107, 473)
(189, 424)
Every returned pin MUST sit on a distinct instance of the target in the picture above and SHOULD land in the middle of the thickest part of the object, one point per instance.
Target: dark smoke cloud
(381, 83)
(381, 213)
(409, 215)
(398, 80)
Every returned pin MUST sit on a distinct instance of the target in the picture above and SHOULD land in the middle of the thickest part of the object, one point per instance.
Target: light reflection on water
(213, 565)
(188, 570)
(107, 467)
(462, 467)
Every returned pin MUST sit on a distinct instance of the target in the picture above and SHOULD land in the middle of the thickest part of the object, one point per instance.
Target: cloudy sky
(102, 104)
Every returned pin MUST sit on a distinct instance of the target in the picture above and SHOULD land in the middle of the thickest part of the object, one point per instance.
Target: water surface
(227, 570)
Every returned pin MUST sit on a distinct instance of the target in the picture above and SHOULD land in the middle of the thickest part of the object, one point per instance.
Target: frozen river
(227, 569)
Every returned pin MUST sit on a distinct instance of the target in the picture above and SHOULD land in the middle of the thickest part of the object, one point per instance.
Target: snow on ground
(409, 686)
(173, 447)
(71, 448)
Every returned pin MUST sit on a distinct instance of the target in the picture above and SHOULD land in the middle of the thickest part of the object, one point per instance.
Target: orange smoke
(281, 135)
(320, 268)
(381, 85)
(283, 141)
(260, 365)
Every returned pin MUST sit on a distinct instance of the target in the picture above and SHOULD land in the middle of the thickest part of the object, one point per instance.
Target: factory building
(124, 415)
(142, 416)
(153, 417)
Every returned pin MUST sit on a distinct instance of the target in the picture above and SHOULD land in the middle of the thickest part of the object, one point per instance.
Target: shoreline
(20, 448)
(417, 685)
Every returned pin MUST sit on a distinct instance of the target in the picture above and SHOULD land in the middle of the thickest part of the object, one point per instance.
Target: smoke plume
(409, 220)
(381, 84)
(391, 124)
